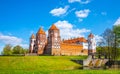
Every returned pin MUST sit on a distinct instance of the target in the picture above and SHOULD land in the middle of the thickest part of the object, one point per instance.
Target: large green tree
(18, 50)
(116, 45)
(116, 30)
(7, 50)
(111, 38)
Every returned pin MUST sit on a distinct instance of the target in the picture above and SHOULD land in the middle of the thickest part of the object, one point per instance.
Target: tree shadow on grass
(78, 62)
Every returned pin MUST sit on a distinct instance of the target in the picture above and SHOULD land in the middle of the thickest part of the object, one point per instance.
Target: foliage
(108, 40)
(26, 50)
(116, 30)
(116, 45)
(18, 50)
(7, 50)
(111, 43)
(108, 37)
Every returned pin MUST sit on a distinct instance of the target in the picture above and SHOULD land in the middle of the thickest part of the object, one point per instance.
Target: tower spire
(32, 36)
(32, 43)
(91, 35)
(53, 27)
(91, 44)
(41, 31)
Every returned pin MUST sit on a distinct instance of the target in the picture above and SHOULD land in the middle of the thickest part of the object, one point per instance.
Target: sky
(75, 18)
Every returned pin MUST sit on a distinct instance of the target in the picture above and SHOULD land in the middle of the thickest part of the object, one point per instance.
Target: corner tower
(32, 44)
(54, 40)
(91, 44)
(40, 41)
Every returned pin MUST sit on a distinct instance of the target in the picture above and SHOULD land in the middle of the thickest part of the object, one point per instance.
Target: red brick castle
(53, 45)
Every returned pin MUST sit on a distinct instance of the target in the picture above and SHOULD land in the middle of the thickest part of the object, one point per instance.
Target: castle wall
(54, 46)
(72, 49)
(56, 51)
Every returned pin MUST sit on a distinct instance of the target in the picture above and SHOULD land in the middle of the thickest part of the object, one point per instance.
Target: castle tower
(54, 40)
(32, 43)
(91, 44)
(40, 41)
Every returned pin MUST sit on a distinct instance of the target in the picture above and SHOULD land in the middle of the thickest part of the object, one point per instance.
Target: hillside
(42, 64)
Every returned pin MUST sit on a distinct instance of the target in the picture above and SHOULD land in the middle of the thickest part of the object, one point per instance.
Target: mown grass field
(45, 65)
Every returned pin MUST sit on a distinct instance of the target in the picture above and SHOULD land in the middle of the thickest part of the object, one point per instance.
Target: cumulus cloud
(72, 1)
(98, 38)
(82, 13)
(59, 11)
(117, 22)
(79, 1)
(70, 11)
(7, 39)
(67, 30)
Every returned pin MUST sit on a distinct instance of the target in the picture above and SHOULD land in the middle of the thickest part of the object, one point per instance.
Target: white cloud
(98, 38)
(70, 11)
(64, 24)
(7, 39)
(24, 45)
(79, 1)
(72, 1)
(82, 13)
(67, 30)
(117, 22)
(59, 11)
(10, 39)
(1, 48)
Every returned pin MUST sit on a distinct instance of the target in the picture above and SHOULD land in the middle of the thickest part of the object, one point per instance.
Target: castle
(53, 45)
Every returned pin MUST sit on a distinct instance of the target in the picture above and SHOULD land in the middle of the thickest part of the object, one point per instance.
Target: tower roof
(41, 31)
(91, 35)
(32, 36)
(53, 27)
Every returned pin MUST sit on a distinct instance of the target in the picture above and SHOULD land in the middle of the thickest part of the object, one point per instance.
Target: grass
(45, 65)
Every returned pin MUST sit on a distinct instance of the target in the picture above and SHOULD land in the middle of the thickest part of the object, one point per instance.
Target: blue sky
(20, 18)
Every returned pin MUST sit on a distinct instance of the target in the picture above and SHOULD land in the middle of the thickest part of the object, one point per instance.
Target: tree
(26, 50)
(112, 42)
(116, 51)
(18, 50)
(116, 30)
(108, 37)
(7, 50)
(100, 47)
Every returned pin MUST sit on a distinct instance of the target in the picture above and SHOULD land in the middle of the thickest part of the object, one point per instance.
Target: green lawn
(45, 65)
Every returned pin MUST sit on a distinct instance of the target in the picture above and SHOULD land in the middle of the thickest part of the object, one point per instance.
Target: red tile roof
(53, 27)
(75, 40)
(32, 36)
(91, 35)
(41, 31)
